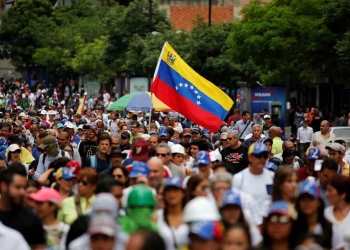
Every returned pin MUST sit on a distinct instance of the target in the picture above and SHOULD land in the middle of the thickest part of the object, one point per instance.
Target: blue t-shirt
(97, 163)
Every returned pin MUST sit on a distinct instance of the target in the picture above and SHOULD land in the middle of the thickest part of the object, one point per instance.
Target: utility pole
(150, 15)
(209, 13)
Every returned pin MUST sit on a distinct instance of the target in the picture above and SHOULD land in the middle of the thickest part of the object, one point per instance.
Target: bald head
(274, 132)
(157, 171)
(287, 144)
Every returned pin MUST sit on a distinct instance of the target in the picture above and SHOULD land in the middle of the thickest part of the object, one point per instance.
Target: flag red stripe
(184, 106)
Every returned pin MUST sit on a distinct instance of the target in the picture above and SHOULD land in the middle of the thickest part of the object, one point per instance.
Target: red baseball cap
(140, 150)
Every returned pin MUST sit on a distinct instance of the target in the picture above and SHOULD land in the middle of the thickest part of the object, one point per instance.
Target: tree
(77, 27)
(133, 23)
(25, 28)
(287, 40)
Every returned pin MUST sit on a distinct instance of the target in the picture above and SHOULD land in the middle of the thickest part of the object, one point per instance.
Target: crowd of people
(110, 180)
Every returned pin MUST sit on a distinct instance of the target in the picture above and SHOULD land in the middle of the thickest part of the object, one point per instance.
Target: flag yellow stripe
(205, 86)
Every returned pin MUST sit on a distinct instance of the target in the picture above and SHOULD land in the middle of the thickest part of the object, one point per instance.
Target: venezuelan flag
(185, 91)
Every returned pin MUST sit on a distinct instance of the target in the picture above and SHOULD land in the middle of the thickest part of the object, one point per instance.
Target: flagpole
(154, 77)
(159, 59)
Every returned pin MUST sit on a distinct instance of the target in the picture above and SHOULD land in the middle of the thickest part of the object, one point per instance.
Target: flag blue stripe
(174, 79)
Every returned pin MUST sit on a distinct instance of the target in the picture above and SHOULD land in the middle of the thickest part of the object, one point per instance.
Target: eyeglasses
(85, 183)
(162, 155)
(118, 176)
(204, 188)
(282, 219)
(229, 138)
(133, 127)
(16, 151)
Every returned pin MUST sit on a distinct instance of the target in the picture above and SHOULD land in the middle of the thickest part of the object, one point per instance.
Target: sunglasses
(16, 151)
(85, 183)
(223, 139)
(119, 176)
(229, 138)
(133, 127)
(194, 133)
(282, 219)
(262, 155)
(162, 155)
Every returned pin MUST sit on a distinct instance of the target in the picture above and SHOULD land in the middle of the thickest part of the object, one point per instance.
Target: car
(342, 133)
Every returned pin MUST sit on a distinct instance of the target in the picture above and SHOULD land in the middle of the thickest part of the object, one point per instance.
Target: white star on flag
(180, 84)
(198, 102)
(176, 87)
(186, 85)
(196, 92)
(198, 97)
(191, 87)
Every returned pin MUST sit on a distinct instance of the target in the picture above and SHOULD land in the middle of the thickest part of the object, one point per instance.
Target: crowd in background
(106, 180)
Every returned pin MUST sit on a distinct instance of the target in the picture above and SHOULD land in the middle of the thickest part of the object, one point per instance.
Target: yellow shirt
(68, 213)
(276, 145)
(345, 170)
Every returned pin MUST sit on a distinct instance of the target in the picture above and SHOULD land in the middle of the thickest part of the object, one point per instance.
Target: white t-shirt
(337, 239)
(12, 239)
(343, 227)
(171, 235)
(259, 186)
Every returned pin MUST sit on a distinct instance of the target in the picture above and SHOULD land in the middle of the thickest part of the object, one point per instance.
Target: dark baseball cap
(125, 135)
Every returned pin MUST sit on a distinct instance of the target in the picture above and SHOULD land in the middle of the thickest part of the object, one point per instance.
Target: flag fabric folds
(185, 91)
(80, 109)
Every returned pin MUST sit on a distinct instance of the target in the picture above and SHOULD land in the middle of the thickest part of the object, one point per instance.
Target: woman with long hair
(80, 204)
(197, 185)
(285, 184)
(14, 154)
(310, 208)
(119, 173)
(171, 226)
(338, 194)
(277, 227)
(69, 149)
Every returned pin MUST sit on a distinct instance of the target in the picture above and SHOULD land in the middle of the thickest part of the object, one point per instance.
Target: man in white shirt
(12, 239)
(304, 136)
(256, 180)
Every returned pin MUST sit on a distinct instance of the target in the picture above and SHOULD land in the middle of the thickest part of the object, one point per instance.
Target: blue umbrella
(140, 102)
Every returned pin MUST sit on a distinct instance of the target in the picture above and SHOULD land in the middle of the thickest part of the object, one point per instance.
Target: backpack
(45, 154)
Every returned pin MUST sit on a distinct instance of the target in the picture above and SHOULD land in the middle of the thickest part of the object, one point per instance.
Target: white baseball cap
(177, 149)
(43, 112)
(215, 156)
(69, 125)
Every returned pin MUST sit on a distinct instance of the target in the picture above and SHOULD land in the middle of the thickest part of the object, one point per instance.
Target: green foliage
(294, 41)
(132, 24)
(25, 28)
